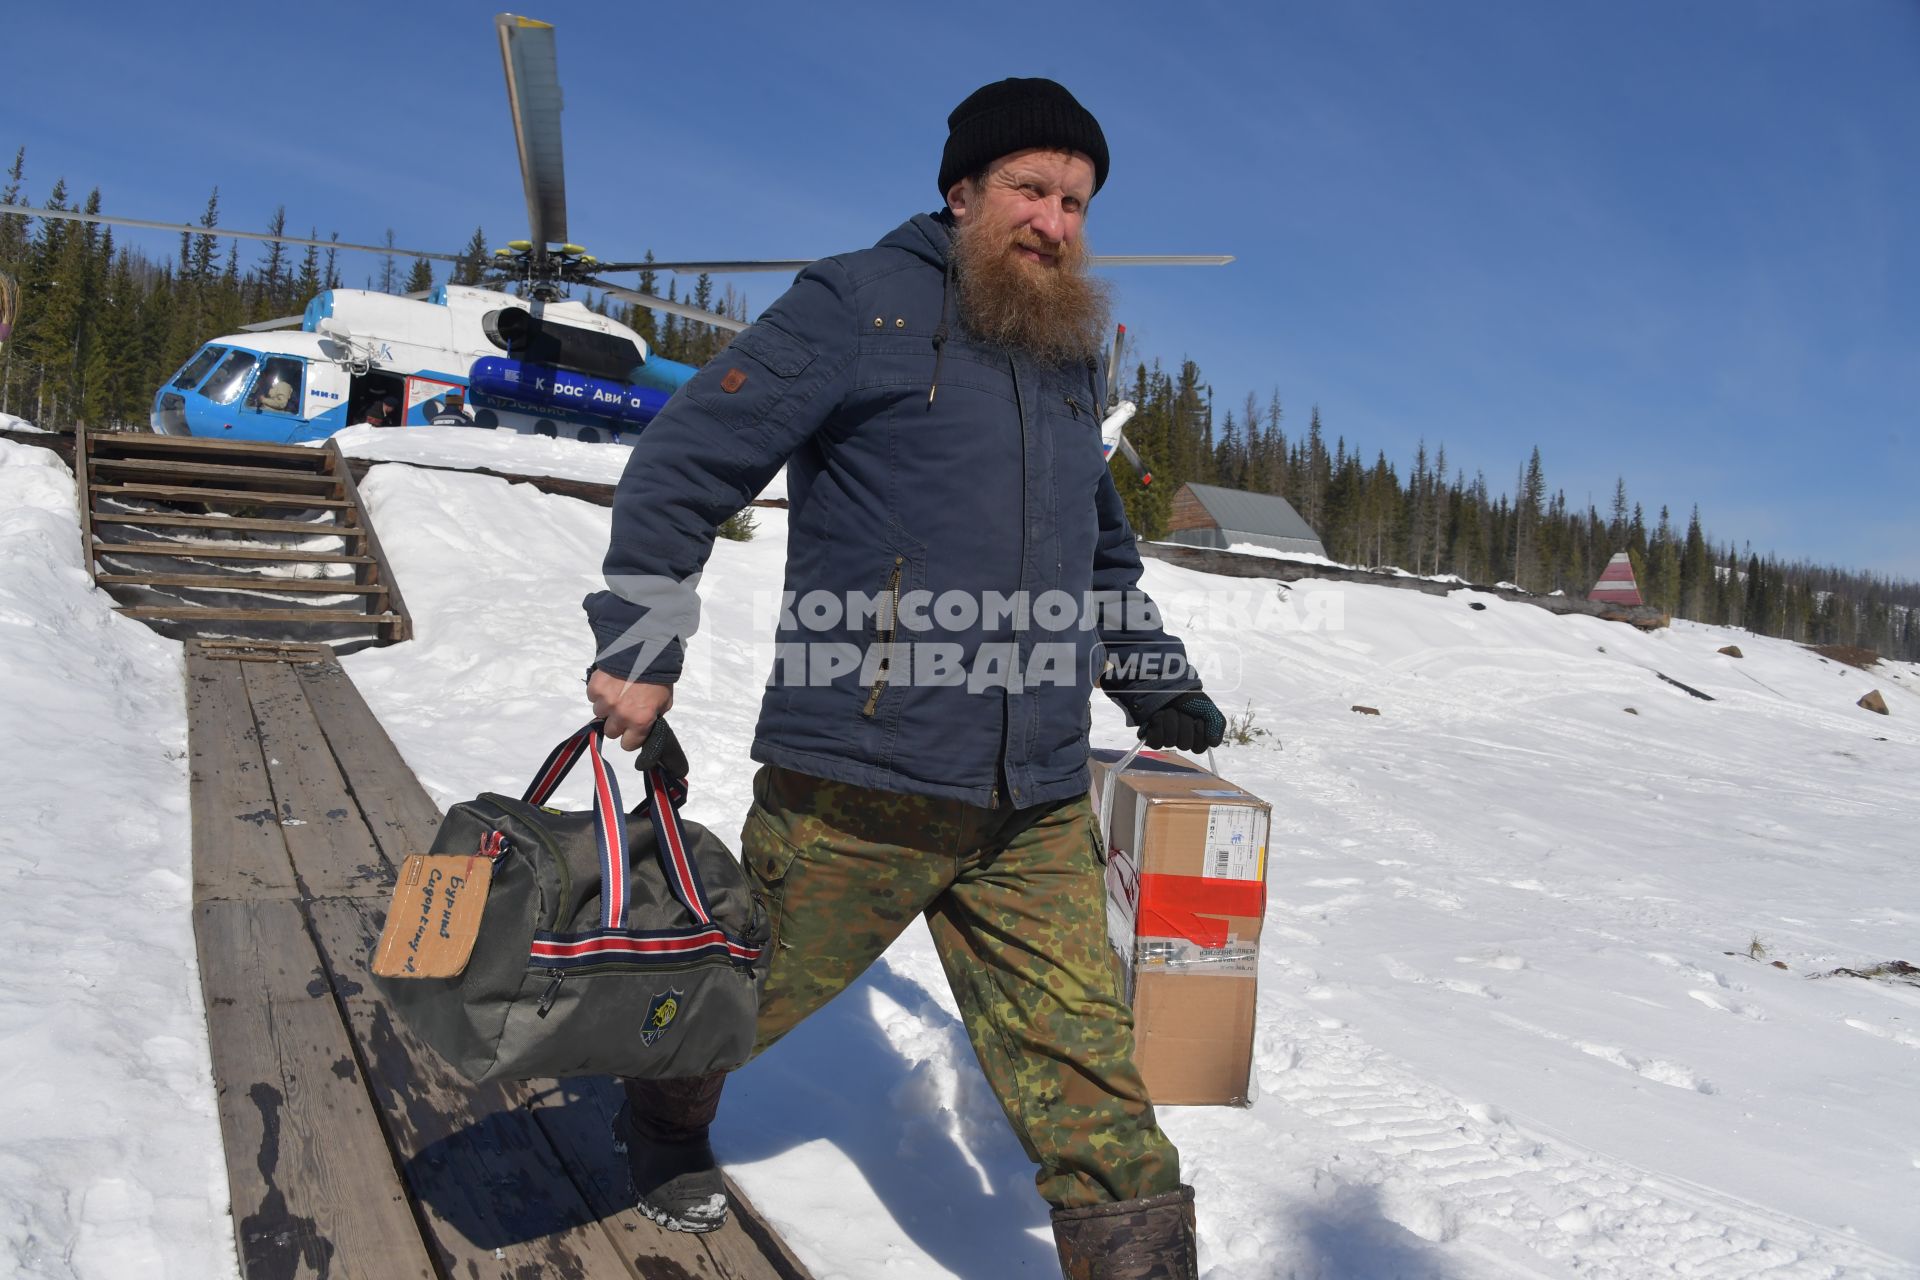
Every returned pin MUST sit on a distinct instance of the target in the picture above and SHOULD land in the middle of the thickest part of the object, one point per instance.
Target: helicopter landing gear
(545, 428)
(587, 435)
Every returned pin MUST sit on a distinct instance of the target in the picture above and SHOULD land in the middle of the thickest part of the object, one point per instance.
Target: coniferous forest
(101, 326)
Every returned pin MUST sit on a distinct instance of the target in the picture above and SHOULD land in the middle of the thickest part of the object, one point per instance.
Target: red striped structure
(1616, 585)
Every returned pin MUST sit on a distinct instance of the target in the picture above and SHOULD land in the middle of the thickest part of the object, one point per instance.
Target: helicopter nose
(171, 419)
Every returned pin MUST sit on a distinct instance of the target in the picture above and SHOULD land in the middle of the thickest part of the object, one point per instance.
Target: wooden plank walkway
(352, 1150)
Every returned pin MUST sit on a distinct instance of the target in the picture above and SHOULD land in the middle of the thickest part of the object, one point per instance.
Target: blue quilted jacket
(924, 470)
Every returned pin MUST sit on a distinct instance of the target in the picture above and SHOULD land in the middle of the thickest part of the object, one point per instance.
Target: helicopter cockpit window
(277, 389)
(197, 367)
(224, 386)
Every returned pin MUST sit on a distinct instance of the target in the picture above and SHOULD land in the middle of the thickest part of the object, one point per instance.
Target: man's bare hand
(628, 707)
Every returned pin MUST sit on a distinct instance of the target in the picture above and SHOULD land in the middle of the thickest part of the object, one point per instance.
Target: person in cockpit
(277, 397)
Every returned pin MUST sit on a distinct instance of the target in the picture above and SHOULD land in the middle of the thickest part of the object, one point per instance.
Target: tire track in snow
(1459, 1170)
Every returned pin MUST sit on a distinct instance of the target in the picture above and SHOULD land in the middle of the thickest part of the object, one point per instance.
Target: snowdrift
(110, 1160)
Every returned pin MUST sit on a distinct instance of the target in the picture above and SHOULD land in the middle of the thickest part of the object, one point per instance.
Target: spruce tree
(1696, 571)
(1277, 477)
(271, 297)
(1315, 475)
(671, 344)
(641, 319)
(389, 271)
(699, 336)
(1226, 461)
(43, 336)
(114, 394)
(1528, 572)
(473, 260)
(13, 226)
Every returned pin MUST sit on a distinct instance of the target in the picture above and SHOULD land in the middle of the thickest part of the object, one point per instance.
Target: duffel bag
(607, 945)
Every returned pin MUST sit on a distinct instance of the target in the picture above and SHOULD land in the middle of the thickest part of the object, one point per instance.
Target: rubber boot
(1148, 1239)
(662, 1130)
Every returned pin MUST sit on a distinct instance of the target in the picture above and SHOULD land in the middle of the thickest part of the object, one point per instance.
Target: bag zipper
(551, 994)
(886, 638)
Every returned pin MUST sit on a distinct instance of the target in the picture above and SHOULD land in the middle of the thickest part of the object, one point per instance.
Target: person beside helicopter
(449, 410)
(932, 400)
(379, 411)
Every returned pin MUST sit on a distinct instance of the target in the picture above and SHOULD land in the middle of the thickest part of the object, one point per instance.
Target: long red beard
(1056, 312)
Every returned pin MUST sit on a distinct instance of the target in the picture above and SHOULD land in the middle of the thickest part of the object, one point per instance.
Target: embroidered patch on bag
(733, 380)
(434, 917)
(660, 1015)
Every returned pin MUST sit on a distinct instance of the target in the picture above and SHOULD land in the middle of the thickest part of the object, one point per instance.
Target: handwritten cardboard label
(434, 916)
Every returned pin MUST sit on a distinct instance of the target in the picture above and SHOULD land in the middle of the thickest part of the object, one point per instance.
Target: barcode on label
(1234, 843)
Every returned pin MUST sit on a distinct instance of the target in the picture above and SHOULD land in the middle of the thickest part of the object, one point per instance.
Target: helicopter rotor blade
(533, 96)
(294, 322)
(278, 322)
(194, 228)
(682, 309)
(795, 264)
(1113, 366)
(1161, 259)
(1133, 459)
(716, 268)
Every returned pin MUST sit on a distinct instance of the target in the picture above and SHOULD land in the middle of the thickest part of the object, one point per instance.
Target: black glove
(1190, 722)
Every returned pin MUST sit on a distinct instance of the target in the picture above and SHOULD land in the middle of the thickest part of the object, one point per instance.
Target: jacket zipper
(1020, 574)
(886, 639)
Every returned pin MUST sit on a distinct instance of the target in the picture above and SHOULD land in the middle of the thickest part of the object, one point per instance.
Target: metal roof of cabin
(1243, 512)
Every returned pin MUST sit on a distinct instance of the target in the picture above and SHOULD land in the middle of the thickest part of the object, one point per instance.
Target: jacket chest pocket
(1077, 444)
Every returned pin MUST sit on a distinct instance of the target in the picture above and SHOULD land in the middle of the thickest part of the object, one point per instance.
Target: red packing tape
(1182, 906)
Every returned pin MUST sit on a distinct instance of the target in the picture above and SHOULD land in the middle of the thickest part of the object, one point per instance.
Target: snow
(508, 452)
(472, 447)
(10, 423)
(1297, 557)
(110, 1160)
(1509, 1022)
(1310, 557)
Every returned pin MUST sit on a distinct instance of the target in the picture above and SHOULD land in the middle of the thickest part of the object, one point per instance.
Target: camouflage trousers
(1016, 903)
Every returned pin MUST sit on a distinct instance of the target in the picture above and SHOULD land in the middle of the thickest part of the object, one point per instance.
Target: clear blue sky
(1678, 243)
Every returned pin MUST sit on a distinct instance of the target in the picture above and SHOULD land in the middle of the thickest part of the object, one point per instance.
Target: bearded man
(935, 400)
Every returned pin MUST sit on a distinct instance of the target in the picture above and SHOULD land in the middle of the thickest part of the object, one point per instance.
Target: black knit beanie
(1012, 115)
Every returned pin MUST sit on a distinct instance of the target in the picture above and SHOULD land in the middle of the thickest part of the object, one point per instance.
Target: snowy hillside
(1510, 1024)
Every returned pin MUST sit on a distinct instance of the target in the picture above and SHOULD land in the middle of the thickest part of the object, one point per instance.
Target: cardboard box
(1186, 892)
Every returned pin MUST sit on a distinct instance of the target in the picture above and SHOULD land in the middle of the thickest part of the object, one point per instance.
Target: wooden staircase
(219, 539)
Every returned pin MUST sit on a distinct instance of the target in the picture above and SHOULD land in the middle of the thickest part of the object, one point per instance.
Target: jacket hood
(927, 236)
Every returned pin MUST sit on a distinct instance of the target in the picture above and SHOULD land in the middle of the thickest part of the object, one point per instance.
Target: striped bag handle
(664, 795)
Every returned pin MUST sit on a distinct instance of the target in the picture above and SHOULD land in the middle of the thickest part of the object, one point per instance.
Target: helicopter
(532, 361)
